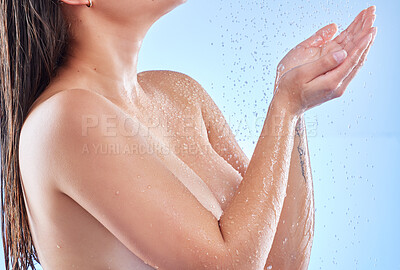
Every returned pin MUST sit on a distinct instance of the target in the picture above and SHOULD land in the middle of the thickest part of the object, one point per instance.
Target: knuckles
(333, 85)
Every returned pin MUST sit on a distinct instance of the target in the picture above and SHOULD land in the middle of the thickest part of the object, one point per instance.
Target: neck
(105, 57)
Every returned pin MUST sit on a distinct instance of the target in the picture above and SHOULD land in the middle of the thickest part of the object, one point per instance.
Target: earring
(90, 3)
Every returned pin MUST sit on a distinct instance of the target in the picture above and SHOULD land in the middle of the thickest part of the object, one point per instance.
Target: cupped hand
(321, 44)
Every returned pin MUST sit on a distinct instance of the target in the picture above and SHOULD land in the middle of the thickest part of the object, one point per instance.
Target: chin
(167, 6)
(176, 3)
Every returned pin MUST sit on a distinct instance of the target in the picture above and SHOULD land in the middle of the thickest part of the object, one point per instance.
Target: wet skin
(296, 226)
(84, 224)
(64, 232)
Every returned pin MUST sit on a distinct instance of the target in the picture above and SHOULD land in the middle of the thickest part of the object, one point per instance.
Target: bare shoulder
(60, 109)
(57, 122)
(167, 76)
(177, 84)
(190, 91)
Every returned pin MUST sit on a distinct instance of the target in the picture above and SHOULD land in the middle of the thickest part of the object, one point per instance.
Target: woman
(104, 168)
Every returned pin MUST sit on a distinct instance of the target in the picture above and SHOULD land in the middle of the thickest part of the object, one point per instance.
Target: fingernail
(374, 30)
(369, 38)
(340, 56)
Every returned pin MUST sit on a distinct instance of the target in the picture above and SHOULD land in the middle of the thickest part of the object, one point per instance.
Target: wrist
(280, 119)
(282, 101)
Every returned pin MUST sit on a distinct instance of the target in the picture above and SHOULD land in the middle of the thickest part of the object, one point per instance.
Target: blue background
(232, 49)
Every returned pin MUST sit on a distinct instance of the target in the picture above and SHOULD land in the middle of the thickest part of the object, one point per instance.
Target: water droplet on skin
(149, 186)
(117, 192)
(58, 246)
(269, 267)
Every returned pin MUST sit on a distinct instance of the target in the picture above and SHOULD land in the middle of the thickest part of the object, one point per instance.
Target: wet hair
(33, 41)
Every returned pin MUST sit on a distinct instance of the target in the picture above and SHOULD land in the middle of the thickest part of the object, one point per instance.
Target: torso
(175, 118)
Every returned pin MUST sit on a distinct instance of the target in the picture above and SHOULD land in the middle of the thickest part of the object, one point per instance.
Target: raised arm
(293, 240)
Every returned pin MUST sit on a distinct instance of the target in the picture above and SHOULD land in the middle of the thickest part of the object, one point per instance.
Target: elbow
(203, 257)
(210, 263)
(226, 261)
(219, 260)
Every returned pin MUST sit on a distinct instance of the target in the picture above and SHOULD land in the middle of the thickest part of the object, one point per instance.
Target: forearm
(250, 221)
(292, 243)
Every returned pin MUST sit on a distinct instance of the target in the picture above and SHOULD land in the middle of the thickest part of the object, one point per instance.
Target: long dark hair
(33, 39)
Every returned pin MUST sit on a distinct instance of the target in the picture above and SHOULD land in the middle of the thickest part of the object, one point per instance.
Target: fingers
(310, 71)
(332, 80)
(369, 21)
(321, 36)
(350, 30)
(349, 78)
(360, 26)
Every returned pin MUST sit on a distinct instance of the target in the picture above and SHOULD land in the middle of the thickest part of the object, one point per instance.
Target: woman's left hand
(321, 43)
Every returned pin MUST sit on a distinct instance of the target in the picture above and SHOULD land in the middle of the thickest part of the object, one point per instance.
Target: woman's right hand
(312, 84)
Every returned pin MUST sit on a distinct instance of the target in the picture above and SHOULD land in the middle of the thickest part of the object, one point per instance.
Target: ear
(75, 2)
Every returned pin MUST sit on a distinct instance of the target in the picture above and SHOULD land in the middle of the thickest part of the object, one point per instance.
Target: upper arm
(131, 193)
(219, 132)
